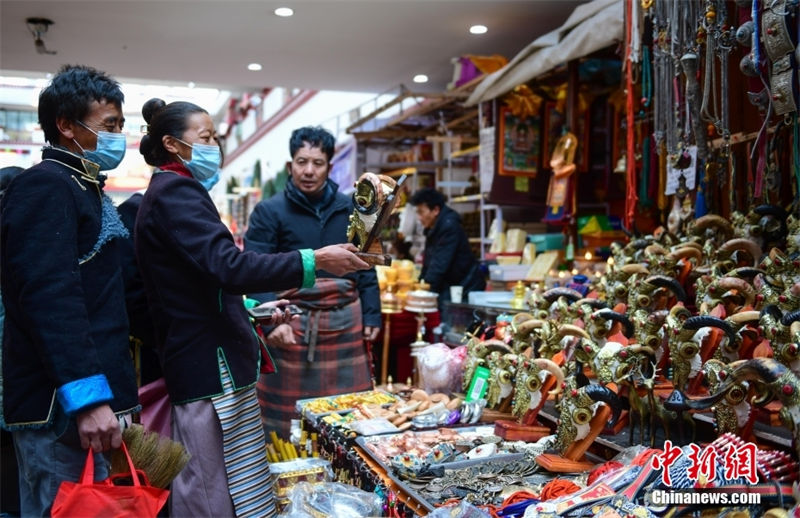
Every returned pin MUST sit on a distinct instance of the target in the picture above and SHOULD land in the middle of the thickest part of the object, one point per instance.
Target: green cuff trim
(309, 268)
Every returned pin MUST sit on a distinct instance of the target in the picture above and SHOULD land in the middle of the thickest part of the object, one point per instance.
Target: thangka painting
(519, 144)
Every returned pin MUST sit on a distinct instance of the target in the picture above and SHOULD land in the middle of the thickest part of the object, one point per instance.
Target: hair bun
(151, 107)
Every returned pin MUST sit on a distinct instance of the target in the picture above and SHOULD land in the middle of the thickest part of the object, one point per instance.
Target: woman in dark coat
(195, 278)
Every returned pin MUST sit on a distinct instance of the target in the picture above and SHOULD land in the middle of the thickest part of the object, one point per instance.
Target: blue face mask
(110, 149)
(209, 183)
(205, 160)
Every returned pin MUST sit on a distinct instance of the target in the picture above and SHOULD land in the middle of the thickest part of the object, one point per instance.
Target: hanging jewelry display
(779, 47)
(663, 71)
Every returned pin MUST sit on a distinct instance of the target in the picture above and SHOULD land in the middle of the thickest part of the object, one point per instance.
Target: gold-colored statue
(374, 200)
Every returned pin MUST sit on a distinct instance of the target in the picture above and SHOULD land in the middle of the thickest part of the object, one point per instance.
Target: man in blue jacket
(323, 352)
(447, 259)
(67, 374)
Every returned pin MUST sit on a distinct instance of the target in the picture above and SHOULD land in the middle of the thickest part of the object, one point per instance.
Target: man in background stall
(447, 259)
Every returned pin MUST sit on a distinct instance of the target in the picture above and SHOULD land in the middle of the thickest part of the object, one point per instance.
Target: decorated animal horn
(741, 285)
(519, 318)
(678, 402)
(765, 370)
(772, 310)
(662, 281)
(608, 396)
(716, 221)
(553, 294)
(497, 345)
(771, 210)
(656, 249)
(571, 330)
(688, 244)
(686, 251)
(525, 328)
(553, 368)
(741, 243)
(771, 373)
(697, 322)
(593, 303)
(746, 272)
(639, 348)
(789, 318)
(610, 314)
(745, 317)
(630, 269)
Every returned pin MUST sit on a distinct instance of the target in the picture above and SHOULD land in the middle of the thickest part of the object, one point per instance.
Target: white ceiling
(350, 45)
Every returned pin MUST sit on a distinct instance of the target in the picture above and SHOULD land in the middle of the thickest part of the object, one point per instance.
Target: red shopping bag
(89, 499)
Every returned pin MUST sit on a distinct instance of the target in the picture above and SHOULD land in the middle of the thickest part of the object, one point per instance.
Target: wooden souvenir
(526, 430)
(574, 461)
(514, 431)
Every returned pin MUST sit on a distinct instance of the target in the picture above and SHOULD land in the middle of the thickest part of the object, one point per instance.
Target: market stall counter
(418, 470)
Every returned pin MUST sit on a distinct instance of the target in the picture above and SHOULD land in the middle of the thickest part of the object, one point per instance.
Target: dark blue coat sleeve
(439, 253)
(261, 236)
(191, 222)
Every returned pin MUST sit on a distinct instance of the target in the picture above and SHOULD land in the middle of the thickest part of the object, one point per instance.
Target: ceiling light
(255, 67)
(191, 84)
(478, 29)
(420, 78)
(284, 12)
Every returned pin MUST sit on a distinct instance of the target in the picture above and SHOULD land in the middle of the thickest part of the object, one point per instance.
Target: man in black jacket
(66, 369)
(447, 258)
(322, 353)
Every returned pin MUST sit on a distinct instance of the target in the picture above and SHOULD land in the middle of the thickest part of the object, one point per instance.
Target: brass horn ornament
(373, 201)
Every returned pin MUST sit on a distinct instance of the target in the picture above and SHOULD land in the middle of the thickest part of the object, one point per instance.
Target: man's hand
(279, 317)
(339, 259)
(99, 428)
(281, 336)
(371, 333)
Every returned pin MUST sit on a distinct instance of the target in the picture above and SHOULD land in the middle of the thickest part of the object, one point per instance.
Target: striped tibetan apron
(329, 357)
(228, 474)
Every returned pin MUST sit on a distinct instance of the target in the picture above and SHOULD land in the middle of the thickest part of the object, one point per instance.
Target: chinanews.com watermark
(738, 462)
(705, 496)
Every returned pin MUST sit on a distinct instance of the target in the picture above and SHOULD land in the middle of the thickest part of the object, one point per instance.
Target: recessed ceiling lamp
(420, 78)
(255, 67)
(284, 12)
(478, 29)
